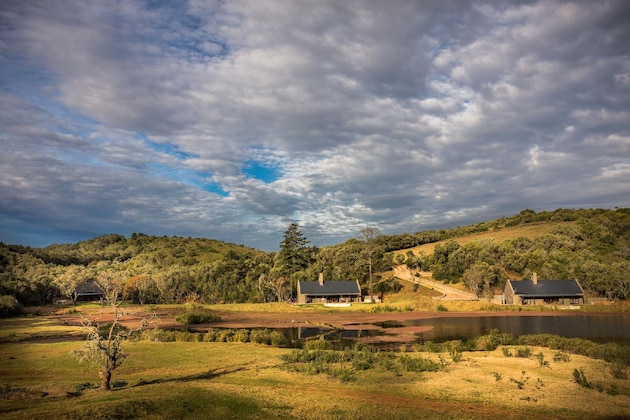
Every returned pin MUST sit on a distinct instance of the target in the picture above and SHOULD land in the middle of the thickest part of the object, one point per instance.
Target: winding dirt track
(449, 293)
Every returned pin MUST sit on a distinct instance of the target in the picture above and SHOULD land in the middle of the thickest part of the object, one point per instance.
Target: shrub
(580, 378)
(197, 317)
(268, 337)
(418, 364)
(523, 352)
(540, 357)
(520, 383)
(242, 336)
(9, 306)
(83, 386)
(455, 350)
(618, 370)
(318, 345)
(428, 346)
(561, 356)
(225, 336)
(362, 361)
(160, 335)
(211, 336)
(493, 340)
(442, 308)
(278, 339)
(103, 329)
(345, 375)
(613, 390)
(609, 352)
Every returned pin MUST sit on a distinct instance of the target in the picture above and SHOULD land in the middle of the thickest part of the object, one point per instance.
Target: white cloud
(406, 115)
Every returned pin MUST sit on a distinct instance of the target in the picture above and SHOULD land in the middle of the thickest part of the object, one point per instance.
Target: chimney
(321, 279)
(534, 278)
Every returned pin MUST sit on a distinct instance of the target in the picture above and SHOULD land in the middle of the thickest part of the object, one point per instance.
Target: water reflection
(598, 328)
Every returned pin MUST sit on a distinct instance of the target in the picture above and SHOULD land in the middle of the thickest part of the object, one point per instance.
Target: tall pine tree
(294, 253)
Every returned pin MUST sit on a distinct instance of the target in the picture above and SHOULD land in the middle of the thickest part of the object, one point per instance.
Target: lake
(598, 328)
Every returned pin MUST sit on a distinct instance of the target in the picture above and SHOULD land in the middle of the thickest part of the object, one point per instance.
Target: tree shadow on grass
(211, 374)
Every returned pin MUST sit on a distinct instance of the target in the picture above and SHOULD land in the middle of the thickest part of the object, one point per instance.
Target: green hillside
(161, 251)
(592, 245)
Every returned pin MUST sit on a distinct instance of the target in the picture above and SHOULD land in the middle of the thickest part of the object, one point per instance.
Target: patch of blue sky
(195, 179)
(166, 148)
(261, 171)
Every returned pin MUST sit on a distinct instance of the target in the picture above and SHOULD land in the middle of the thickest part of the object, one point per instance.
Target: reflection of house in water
(341, 291)
(543, 292)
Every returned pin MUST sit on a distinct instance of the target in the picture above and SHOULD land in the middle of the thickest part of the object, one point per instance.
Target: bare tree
(111, 283)
(278, 285)
(104, 346)
(70, 279)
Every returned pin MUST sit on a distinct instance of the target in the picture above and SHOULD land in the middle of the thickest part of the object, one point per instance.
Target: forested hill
(161, 251)
(590, 245)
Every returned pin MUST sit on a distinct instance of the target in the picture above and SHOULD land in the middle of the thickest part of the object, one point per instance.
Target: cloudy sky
(231, 119)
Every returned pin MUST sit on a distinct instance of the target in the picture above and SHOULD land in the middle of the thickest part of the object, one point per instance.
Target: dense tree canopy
(592, 246)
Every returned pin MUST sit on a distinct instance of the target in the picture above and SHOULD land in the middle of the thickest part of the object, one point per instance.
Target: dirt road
(449, 293)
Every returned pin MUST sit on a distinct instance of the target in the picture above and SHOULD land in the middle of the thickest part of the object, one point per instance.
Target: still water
(598, 328)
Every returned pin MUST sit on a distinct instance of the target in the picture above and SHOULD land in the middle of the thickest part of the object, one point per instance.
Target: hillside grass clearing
(528, 230)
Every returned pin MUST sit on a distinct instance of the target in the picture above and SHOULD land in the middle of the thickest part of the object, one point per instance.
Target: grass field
(40, 379)
(530, 230)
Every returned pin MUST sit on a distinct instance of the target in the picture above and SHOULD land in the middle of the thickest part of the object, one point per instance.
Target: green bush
(619, 370)
(455, 350)
(9, 306)
(277, 338)
(580, 378)
(242, 336)
(162, 336)
(523, 352)
(493, 340)
(540, 357)
(610, 352)
(211, 336)
(418, 364)
(197, 317)
(104, 329)
(561, 356)
(83, 386)
(318, 345)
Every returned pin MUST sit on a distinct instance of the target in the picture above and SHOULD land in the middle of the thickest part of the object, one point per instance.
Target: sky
(232, 119)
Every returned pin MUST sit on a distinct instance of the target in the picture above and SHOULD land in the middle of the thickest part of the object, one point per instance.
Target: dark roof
(339, 287)
(547, 288)
(88, 289)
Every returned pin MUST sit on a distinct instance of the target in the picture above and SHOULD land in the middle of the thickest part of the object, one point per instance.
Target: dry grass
(236, 380)
(491, 378)
(30, 328)
(530, 230)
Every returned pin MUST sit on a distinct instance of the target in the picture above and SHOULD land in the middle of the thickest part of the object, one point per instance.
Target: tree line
(594, 248)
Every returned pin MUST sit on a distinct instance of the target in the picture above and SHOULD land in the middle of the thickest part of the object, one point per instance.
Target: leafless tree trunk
(104, 348)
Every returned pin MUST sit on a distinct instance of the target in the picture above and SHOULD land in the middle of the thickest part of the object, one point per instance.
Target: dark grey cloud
(122, 117)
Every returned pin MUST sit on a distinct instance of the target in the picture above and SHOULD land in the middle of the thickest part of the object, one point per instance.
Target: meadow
(39, 378)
